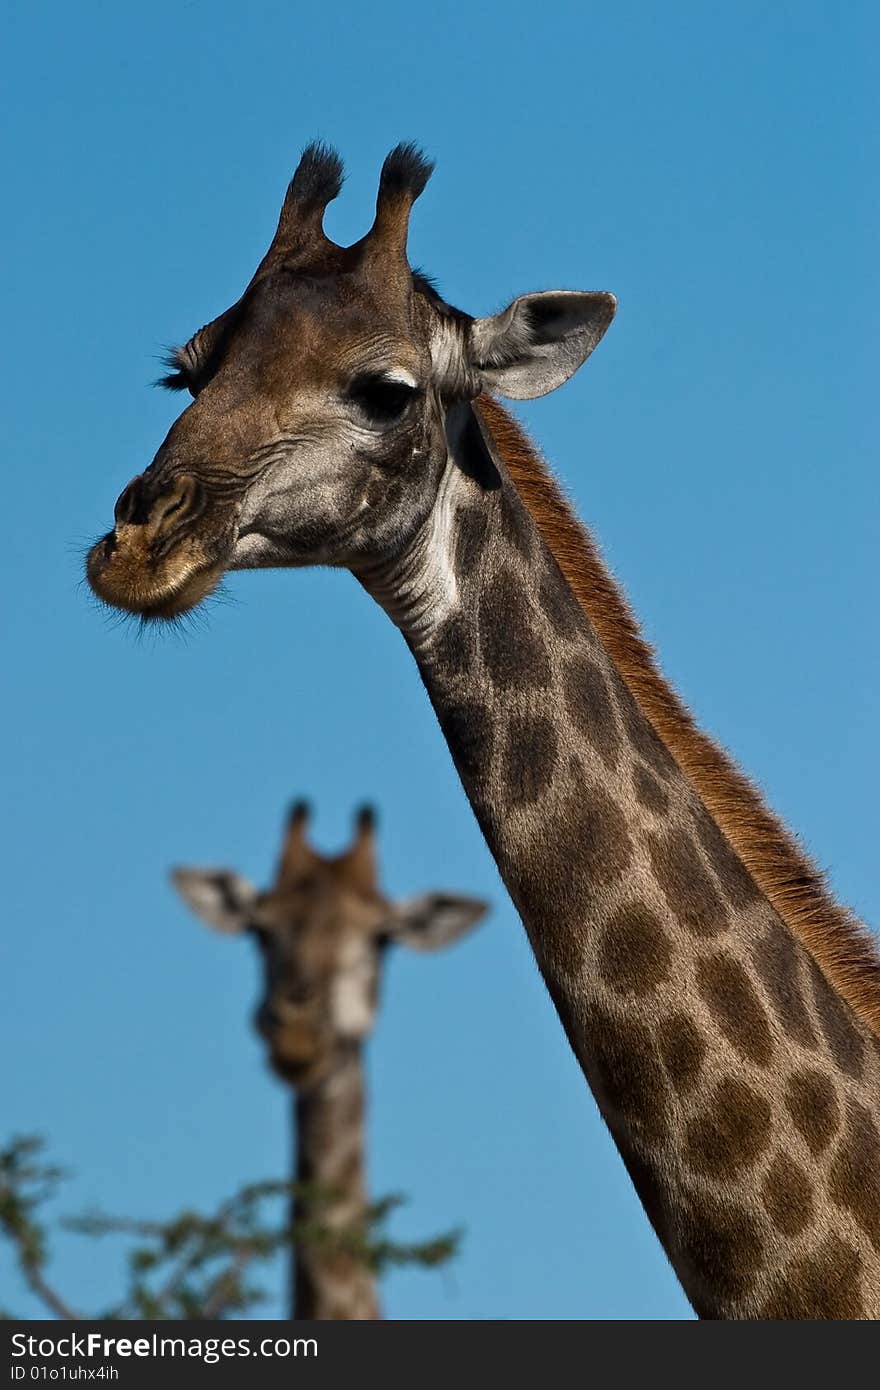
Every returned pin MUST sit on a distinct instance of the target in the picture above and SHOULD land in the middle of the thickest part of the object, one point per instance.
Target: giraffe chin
(176, 590)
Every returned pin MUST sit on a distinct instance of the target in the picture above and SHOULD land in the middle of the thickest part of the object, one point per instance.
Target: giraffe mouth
(123, 573)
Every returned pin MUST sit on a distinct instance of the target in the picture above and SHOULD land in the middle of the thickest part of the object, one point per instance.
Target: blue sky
(714, 166)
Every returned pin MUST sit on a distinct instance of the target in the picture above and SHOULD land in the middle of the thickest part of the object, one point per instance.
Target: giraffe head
(327, 400)
(322, 929)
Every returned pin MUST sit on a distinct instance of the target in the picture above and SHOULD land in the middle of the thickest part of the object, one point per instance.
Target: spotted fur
(843, 948)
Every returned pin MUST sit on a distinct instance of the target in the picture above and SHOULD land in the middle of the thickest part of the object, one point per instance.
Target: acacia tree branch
(193, 1266)
(53, 1301)
(25, 1182)
(224, 1293)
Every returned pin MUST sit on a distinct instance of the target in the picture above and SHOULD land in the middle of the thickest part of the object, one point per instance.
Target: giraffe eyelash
(179, 374)
(191, 365)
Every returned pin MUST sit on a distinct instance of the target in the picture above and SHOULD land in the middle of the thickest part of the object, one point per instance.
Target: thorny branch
(194, 1266)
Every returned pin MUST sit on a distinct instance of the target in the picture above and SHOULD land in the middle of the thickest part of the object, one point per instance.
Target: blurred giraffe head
(327, 401)
(322, 929)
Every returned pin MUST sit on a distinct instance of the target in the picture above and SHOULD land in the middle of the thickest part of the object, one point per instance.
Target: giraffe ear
(433, 920)
(539, 341)
(220, 897)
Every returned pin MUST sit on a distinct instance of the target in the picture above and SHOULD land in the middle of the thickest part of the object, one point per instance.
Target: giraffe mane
(840, 945)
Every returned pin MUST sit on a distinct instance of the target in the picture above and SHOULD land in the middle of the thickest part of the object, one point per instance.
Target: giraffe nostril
(179, 500)
(139, 503)
(130, 507)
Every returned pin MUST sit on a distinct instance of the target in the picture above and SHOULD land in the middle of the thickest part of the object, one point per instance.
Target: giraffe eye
(192, 366)
(383, 402)
(183, 373)
(176, 378)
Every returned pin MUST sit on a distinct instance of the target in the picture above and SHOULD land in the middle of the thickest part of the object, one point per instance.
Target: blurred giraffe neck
(332, 1281)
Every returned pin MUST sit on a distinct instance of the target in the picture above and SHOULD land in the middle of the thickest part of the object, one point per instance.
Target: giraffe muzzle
(154, 562)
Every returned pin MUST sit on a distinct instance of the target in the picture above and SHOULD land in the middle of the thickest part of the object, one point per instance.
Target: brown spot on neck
(735, 1006)
(512, 648)
(855, 1173)
(826, 1284)
(590, 709)
(719, 1252)
(634, 951)
(777, 962)
(682, 1048)
(731, 1132)
(838, 1025)
(690, 893)
(813, 1106)
(786, 1195)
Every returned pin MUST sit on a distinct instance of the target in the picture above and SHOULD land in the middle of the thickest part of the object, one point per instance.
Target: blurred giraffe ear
(220, 897)
(433, 920)
(538, 341)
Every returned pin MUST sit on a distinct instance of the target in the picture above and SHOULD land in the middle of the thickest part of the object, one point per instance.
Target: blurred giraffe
(322, 929)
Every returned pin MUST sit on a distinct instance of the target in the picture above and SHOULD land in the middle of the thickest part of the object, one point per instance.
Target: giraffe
(322, 930)
(724, 1008)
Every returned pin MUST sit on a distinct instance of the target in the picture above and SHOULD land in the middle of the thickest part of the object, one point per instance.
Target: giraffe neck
(332, 1282)
(727, 1070)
